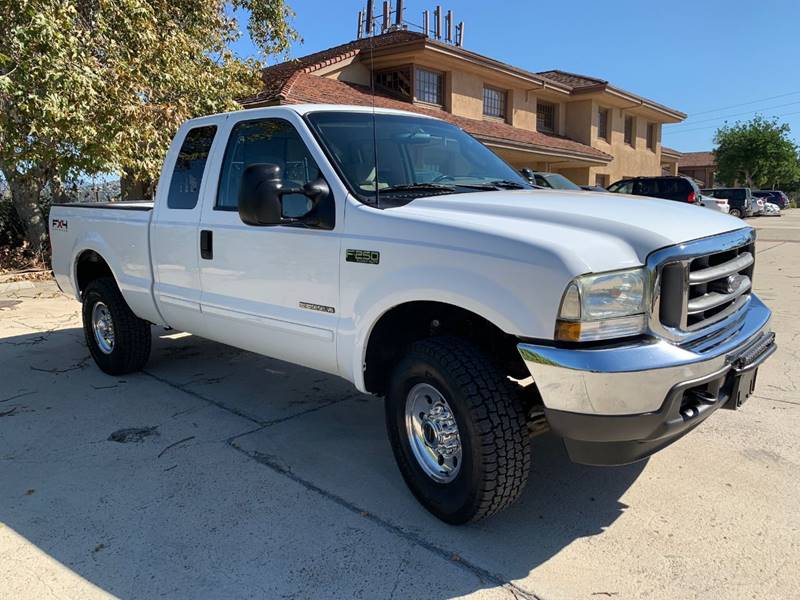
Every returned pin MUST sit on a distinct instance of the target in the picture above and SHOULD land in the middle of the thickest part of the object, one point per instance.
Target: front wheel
(735, 212)
(458, 431)
(118, 340)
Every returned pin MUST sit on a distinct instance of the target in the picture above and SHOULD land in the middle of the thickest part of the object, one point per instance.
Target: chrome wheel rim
(433, 433)
(103, 328)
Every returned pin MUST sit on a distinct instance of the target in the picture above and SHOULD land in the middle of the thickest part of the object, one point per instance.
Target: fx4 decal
(60, 225)
(369, 257)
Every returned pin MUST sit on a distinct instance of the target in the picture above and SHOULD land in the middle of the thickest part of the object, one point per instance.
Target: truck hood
(605, 231)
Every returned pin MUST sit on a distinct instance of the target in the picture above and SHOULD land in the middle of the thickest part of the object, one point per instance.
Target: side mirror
(261, 196)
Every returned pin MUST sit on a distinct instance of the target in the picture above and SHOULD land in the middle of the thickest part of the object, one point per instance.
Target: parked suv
(681, 189)
(740, 200)
(775, 197)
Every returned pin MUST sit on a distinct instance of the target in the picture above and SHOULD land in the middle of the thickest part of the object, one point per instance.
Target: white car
(436, 277)
(718, 204)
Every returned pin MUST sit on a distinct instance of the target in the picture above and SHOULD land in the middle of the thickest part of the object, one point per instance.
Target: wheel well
(407, 323)
(90, 266)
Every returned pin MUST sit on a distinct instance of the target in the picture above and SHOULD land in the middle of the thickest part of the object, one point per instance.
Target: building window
(429, 86)
(651, 136)
(630, 127)
(395, 81)
(545, 117)
(494, 103)
(601, 180)
(602, 123)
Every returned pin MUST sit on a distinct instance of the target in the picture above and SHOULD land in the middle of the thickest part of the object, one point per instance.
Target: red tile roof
(697, 159)
(573, 80)
(276, 76)
(304, 87)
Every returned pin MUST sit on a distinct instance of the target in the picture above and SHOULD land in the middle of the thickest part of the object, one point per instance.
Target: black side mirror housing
(261, 197)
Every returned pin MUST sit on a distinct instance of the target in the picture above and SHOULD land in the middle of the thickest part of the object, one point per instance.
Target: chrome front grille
(719, 284)
(701, 288)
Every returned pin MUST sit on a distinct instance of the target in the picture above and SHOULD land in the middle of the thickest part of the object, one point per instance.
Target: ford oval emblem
(734, 282)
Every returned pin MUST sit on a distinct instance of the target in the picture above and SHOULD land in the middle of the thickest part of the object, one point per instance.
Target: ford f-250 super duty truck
(398, 252)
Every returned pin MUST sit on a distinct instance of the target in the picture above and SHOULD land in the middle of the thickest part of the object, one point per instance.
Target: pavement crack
(477, 571)
(194, 394)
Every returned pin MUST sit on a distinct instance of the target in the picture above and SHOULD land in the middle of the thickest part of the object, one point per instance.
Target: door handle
(206, 244)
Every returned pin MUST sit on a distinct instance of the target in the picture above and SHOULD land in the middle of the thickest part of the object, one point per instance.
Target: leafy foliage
(758, 153)
(91, 86)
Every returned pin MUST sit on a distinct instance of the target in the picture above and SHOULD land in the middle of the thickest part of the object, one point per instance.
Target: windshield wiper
(509, 185)
(421, 187)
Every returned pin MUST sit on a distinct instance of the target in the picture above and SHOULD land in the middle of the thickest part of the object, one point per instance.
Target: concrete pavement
(237, 476)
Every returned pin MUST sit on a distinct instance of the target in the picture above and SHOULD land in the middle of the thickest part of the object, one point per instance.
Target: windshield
(559, 182)
(416, 156)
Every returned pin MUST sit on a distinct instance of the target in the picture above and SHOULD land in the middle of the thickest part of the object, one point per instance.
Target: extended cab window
(184, 187)
(273, 141)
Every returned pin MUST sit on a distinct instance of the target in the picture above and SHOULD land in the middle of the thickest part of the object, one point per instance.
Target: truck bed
(117, 231)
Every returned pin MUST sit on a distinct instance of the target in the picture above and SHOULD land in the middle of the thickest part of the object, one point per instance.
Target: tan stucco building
(582, 127)
(701, 166)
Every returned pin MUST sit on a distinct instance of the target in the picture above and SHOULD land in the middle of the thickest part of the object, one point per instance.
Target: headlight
(603, 306)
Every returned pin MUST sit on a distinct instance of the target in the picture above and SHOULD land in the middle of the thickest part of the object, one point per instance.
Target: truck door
(173, 234)
(272, 290)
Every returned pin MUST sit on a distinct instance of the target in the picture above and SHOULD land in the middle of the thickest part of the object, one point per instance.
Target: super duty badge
(370, 257)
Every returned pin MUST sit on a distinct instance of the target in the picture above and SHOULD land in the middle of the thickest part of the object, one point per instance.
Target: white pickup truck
(397, 252)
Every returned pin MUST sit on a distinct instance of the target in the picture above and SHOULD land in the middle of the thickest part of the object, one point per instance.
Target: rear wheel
(457, 430)
(118, 340)
(735, 212)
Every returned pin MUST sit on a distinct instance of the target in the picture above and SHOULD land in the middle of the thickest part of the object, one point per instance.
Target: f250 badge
(369, 257)
(60, 225)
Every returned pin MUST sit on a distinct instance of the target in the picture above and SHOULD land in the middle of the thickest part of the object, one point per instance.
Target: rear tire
(494, 447)
(118, 340)
(735, 212)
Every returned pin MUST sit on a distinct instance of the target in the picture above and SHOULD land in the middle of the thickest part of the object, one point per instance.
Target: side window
(622, 187)
(672, 187)
(646, 187)
(273, 141)
(184, 187)
(541, 181)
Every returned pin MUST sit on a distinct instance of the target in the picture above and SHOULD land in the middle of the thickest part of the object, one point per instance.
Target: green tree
(759, 153)
(99, 86)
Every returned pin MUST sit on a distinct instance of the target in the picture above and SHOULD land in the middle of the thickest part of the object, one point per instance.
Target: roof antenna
(372, 97)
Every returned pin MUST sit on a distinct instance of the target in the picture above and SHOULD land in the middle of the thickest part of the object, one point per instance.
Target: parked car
(554, 181)
(771, 210)
(479, 308)
(774, 196)
(668, 187)
(740, 200)
(718, 204)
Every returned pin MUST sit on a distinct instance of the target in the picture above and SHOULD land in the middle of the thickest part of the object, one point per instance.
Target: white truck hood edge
(605, 231)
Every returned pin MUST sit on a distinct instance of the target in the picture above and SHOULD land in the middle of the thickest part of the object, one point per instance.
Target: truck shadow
(275, 465)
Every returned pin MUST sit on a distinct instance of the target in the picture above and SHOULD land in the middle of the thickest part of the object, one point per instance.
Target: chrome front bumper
(636, 378)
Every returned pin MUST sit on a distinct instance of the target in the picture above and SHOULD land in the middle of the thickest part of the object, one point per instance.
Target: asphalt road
(221, 474)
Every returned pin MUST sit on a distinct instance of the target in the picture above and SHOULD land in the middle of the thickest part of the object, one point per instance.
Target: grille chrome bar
(715, 299)
(735, 265)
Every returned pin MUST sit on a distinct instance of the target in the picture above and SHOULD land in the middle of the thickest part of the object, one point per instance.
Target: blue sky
(708, 58)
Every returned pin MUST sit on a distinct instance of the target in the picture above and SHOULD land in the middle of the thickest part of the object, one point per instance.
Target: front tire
(467, 455)
(118, 340)
(735, 212)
